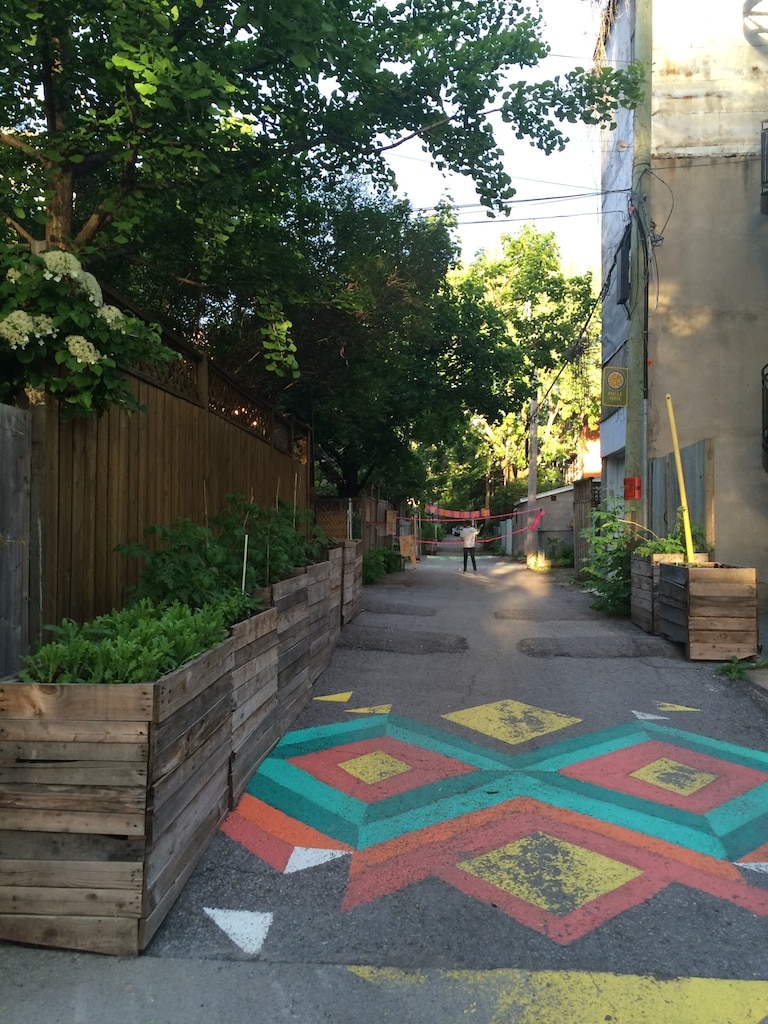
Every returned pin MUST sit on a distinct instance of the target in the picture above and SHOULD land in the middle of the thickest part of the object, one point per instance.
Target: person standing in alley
(468, 537)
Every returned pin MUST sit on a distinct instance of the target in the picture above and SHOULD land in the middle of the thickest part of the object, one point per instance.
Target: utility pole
(635, 454)
(531, 538)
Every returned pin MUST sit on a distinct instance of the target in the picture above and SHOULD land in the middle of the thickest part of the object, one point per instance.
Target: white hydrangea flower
(82, 350)
(16, 328)
(88, 284)
(60, 264)
(43, 326)
(114, 317)
(13, 275)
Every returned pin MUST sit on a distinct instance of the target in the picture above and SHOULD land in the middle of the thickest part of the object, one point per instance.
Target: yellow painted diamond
(374, 767)
(511, 721)
(674, 776)
(550, 873)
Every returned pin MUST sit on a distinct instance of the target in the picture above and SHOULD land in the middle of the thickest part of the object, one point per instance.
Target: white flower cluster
(114, 317)
(60, 264)
(13, 275)
(82, 350)
(19, 327)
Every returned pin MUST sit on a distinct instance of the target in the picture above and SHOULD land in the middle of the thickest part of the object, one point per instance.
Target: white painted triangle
(247, 929)
(302, 858)
(645, 717)
(753, 866)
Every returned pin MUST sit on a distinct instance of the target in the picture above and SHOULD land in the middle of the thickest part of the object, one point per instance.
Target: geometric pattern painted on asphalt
(561, 839)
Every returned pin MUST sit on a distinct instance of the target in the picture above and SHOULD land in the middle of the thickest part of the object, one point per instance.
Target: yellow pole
(681, 483)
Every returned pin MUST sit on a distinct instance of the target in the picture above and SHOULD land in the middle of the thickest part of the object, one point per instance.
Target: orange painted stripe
(280, 825)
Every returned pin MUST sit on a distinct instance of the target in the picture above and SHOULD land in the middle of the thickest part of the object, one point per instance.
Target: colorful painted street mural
(561, 839)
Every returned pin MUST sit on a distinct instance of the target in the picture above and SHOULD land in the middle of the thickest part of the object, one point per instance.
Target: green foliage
(57, 335)
(611, 543)
(378, 562)
(176, 141)
(733, 669)
(197, 564)
(137, 644)
(738, 669)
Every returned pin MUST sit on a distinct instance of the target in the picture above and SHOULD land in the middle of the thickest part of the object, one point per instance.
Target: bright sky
(558, 193)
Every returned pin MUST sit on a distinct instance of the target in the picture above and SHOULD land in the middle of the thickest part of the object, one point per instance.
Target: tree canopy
(122, 107)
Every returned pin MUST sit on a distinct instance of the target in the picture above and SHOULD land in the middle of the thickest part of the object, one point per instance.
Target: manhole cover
(400, 641)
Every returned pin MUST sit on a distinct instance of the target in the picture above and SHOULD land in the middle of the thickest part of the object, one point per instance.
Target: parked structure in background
(685, 259)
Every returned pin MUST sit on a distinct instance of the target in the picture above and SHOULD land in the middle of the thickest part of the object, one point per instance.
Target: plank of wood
(63, 902)
(77, 701)
(76, 773)
(116, 936)
(12, 752)
(76, 874)
(44, 730)
(186, 838)
(179, 788)
(72, 821)
(175, 741)
(720, 652)
(64, 846)
(254, 628)
(123, 800)
(178, 688)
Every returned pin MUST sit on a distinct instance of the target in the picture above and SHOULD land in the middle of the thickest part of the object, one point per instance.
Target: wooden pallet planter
(109, 795)
(644, 594)
(711, 608)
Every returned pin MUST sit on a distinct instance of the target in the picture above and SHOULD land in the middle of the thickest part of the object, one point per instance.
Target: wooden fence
(97, 483)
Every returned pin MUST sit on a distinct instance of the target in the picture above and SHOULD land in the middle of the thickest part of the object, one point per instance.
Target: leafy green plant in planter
(280, 539)
(140, 643)
(198, 564)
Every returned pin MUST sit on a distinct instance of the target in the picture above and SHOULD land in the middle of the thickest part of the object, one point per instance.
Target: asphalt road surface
(500, 806)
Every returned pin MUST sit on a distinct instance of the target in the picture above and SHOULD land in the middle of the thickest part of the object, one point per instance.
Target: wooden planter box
(109, 795)
(711, 608)
(644, 595)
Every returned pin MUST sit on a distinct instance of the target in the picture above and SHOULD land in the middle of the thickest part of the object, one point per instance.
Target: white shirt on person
(468, 535)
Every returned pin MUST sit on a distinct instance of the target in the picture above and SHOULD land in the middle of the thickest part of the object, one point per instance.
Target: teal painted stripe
(740, 811)
(445, 743)
(640, 819)
(320, 737)
(555, 759)
(744, 840)
(434, 814)
(715, 748)
(485, 787)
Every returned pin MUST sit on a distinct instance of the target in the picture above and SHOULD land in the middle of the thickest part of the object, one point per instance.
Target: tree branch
(17, 227)
(16, 143)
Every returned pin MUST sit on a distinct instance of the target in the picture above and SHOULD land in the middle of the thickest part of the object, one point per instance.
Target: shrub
(378, 562)
(611, 542)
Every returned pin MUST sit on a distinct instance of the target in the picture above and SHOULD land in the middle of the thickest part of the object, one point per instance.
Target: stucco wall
(708, 300)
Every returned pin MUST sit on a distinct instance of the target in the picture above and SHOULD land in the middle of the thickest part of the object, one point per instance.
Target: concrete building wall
(708, 294)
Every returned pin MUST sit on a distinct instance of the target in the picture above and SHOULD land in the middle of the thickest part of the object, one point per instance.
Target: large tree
(391, 354)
